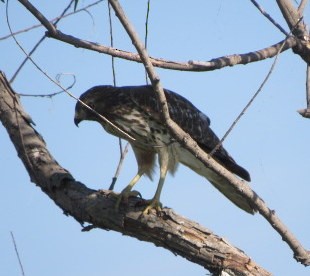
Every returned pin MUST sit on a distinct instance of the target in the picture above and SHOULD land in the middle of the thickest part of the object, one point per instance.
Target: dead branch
(36, 46)
(53, 21)
(269, 17)
(300, 254)
(302, 5)
(169, 230)
(197, 66)
(293, 18)
(17, 254)
(301, 47)
(305, 112)
(298, 27)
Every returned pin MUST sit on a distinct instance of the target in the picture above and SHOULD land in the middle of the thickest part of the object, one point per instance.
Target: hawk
(134, 114)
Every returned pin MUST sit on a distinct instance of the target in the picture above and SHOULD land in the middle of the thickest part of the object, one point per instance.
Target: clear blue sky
(271, 140)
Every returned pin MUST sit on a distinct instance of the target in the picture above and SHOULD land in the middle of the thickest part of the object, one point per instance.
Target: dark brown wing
(190, 119)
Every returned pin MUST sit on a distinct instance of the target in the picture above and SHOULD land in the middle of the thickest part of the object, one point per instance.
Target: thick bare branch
(302, 48)
(170, 231)
(197, 66)
(145, 59)
(292, 16)
(298, 27)
(300, 253)
(302, 5)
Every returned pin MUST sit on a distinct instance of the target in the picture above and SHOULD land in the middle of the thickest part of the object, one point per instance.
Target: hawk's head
(94, 100)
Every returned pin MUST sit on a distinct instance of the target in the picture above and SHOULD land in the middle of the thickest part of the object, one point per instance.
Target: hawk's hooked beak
(77, 120)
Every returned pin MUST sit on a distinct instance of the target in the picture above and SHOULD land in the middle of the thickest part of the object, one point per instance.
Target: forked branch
(300, 47)
(293, 20)
(300, 253)
(169, 230)
(191, 65)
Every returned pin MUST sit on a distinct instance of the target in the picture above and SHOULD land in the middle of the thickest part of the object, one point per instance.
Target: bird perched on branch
(134, 113)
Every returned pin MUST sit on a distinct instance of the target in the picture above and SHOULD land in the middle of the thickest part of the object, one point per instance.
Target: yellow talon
(154, 204)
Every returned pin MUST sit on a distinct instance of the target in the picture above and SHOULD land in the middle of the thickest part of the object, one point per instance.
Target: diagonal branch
(197, 66)
(302, 5)
(300, 253)
(293, 19)
(302, 49)
(268, 16)
(53, 21)
(170, 231)
(292, 16)
(39, 43)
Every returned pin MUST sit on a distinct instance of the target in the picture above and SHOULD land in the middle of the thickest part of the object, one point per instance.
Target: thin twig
(25, 60)
(144, 58)
(305, 112)
(249, 103)
(185, 237)
(17, 254)
(308, 87)
(111, 43)
(146, 33)
(39, 43)
(300, 253)
(51, 20)
(51, 94)
(195, 66)
(96, 208)
(60, 86)
(122, 152)
(268, 16)
(120, 164)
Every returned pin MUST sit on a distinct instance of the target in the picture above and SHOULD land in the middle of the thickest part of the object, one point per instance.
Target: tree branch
(298, 27)
(182, 137)
(305, 112)
(196, 66)
(292, 16)
(302, 5)
(169, 230)
(264, 13)
(301, 48)
(53, 21)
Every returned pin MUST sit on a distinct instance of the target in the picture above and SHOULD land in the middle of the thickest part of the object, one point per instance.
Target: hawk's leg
(127, 191)
(145, 159)
(163, 157)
